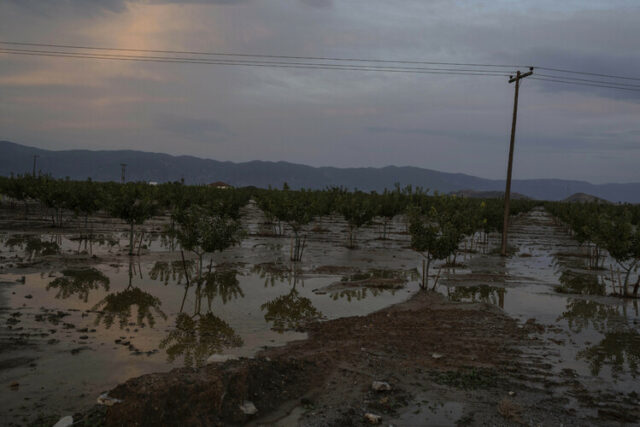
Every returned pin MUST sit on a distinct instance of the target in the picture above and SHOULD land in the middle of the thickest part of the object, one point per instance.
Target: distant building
(220, 185)
(153, 183)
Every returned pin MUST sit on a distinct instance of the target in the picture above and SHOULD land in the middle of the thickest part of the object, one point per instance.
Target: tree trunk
(131, 240)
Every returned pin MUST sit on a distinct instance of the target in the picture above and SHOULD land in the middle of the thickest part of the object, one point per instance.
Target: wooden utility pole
(35, 156)
(507, 192)
(124, 167)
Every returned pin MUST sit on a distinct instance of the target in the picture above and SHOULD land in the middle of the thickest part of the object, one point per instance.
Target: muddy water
(68, 336)
(78, 319)
(590, 344)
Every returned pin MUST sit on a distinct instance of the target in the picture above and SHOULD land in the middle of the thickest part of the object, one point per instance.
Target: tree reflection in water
(583, 314)
(290, 311)
(483, 293)
(173, 271)
(197, 337)
(79, 282)
(119, 305)
(358, 294)
(273, 273)
(572, 282)
(223, 284)
(619, 349)
(619, 345)
(90, 238)
(200, 335)
(33, 246)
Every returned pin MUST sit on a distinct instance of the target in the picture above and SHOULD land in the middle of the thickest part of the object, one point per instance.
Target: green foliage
(434, 236)
(358, 209)
(200, 230)
(133, 203)
(608, 227)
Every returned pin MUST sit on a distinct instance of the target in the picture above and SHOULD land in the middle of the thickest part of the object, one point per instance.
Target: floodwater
(76, 325)
(589, 336)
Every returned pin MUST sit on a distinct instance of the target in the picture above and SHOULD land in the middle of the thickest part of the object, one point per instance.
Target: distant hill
(474, 194)
(584, 198)
(144, 166)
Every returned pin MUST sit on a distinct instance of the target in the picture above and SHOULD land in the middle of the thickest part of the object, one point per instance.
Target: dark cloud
(193, 1)
(326, 117)
(91, 7)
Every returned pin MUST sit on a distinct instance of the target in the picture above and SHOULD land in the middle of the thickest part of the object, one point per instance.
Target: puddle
(80, 331)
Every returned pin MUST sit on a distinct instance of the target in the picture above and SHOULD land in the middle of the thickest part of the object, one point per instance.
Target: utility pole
(35, 156)
(124, 167)
(507, 193)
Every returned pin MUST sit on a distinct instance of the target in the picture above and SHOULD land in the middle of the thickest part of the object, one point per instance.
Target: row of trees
(602, 229)
(437, 223)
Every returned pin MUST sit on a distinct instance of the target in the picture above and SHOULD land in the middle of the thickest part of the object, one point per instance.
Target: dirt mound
(333, 368)
(212, 395)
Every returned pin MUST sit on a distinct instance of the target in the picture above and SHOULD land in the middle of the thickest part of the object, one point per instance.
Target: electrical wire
(588, 80)
(310, 62)
(583, 84)
(312, 58)
(260, 63)
(586, 73)
(234, 62)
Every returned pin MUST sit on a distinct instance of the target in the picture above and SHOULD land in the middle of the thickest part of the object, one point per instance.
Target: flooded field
(78, 316)
(589, 349)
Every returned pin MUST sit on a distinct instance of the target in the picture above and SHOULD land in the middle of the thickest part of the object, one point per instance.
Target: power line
(261, 64)
(589, 80)
(237, 61)
(558, 80)
(313, 58)
(564, 70)
(308, 62)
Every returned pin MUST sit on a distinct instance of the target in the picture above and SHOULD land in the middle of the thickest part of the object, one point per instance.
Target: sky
(451, 123)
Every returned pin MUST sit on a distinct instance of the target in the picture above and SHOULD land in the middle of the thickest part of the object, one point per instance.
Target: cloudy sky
(452, 123)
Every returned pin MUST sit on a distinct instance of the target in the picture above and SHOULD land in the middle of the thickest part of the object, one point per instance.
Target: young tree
(297, 210)
(388, 205)
(622, 241)
(358, 210)
(433, 238)
(202, 231)
(134, 204)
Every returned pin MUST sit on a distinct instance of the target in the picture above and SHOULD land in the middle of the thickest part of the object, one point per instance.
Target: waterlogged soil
(79, 316)
(495, 344)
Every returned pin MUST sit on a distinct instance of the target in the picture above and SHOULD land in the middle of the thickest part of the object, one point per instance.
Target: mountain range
(145, 166)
